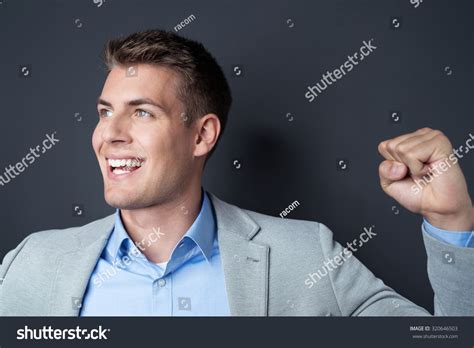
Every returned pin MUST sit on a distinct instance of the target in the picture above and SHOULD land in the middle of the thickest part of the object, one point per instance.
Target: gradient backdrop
(278, 148)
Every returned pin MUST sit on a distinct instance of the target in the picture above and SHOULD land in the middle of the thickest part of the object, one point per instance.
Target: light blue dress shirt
(458, 238)
(126, 283)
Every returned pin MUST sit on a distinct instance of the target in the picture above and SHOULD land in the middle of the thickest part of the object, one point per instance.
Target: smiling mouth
(122, 166)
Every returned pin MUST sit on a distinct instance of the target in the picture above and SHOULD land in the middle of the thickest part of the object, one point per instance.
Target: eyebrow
(134, 102)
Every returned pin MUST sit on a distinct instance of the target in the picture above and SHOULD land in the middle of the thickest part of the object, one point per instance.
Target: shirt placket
(162, 294)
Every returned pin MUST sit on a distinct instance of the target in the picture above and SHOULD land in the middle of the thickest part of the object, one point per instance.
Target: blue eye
(143, 113)
(105, 113)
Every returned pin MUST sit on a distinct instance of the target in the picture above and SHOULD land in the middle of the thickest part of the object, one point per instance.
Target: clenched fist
(422, 173)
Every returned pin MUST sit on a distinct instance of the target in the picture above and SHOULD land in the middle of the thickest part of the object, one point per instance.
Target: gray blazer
(266, 261)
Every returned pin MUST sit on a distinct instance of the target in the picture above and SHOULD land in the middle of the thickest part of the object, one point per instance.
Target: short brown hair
(203, 88)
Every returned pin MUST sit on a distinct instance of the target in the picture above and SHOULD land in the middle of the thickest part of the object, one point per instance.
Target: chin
(126, 200)
(122, 201)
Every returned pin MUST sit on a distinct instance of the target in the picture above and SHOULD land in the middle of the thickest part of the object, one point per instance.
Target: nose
(116, 130)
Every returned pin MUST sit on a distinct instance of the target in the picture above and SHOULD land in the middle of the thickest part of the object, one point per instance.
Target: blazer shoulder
(301, 241)
(270, 228)
(39, 248)
(63, 238)
(296, 228)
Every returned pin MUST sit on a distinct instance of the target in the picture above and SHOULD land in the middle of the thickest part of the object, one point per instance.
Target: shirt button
(161, 282)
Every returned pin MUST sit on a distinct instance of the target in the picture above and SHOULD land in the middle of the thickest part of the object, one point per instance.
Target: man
(173, 249)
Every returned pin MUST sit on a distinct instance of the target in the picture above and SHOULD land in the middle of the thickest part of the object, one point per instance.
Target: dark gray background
(281, 160)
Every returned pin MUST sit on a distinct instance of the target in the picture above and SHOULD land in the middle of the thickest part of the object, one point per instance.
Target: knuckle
(381, 146)
(391, 146)
(424, 130)
(401, 148)
(442, 138)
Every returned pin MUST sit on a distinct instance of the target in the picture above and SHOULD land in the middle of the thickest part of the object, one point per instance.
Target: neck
(156, 230)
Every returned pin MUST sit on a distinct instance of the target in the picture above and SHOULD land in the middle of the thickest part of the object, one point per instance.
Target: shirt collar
(203, 229)
(202, 232)
(118, 237)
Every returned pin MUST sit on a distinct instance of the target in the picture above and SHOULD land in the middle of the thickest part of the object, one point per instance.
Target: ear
(208, 129)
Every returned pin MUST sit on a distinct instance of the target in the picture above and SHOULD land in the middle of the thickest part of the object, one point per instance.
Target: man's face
(144, 149)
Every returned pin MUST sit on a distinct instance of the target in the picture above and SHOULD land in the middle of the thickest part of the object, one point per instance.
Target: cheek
(179, 146)
(166, 148)
(160, 150)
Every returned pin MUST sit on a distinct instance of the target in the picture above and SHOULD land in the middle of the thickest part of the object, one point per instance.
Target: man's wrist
(462, 221)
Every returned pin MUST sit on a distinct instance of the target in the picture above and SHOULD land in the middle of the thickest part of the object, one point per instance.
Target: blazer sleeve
(360, 293)
(451, 274)
(8, 259)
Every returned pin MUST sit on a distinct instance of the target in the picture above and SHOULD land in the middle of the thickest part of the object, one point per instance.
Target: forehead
(135, 81)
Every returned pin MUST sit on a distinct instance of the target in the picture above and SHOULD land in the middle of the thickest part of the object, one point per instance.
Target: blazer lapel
(75, 267)
(245, 262)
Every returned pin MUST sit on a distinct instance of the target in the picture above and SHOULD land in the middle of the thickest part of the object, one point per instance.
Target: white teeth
(120, 171)
(114, 163)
